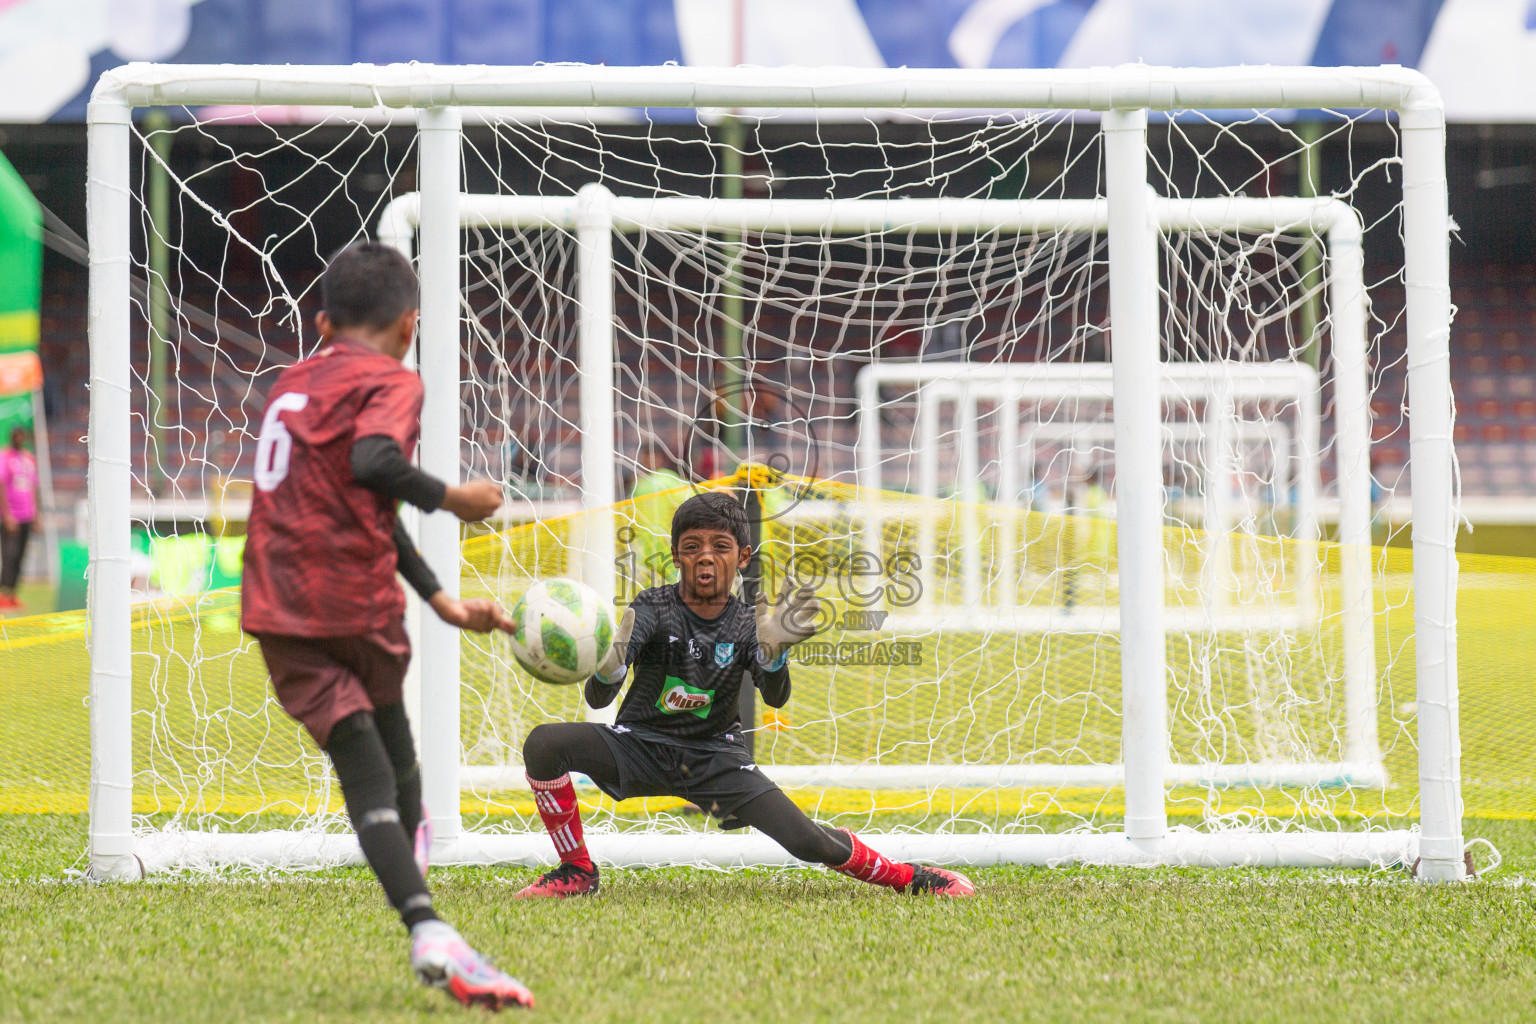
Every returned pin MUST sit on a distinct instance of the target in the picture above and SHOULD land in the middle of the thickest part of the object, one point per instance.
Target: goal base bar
(164, 852)
(1329, 774)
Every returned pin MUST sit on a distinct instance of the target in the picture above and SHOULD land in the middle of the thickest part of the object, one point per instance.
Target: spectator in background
(18, 511)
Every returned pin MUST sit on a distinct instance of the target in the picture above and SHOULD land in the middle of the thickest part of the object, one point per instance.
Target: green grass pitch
(679, 945)
(802, 945)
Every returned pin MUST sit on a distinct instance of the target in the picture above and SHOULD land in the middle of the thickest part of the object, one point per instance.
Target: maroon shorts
(321, 680)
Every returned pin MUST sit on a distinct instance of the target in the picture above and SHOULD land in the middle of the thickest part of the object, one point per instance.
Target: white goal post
(1124, 96)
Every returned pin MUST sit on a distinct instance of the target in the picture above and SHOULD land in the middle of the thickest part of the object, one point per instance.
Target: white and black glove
(785, 623)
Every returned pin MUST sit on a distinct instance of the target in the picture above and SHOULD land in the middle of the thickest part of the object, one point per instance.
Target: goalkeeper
(677, 732)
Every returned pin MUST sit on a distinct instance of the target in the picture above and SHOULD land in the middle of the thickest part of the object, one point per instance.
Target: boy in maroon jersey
(322, 548)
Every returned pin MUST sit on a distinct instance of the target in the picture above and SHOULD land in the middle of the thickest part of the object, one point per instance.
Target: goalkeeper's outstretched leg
(723, 781)
(776, 816)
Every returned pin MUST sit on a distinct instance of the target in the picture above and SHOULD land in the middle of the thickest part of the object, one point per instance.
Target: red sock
(556, 801)
(868, 866)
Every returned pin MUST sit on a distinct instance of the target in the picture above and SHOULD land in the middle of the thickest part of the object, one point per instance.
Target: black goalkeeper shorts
(719, 778)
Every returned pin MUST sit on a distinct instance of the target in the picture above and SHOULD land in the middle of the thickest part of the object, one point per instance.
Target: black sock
(368, 784)
(395, 731)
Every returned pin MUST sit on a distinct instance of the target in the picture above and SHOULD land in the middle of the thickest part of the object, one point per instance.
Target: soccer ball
(561, 630)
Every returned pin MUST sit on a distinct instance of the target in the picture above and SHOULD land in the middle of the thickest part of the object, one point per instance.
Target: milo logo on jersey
(678, 698)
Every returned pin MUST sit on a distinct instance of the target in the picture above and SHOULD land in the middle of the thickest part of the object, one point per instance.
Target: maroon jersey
(319, 549)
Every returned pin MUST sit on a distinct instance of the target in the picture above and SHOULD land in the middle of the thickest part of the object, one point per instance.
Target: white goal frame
(1124, 95)
(595, 214)
(1220, 385)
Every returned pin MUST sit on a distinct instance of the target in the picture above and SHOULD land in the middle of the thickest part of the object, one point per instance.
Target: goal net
(1071, 418)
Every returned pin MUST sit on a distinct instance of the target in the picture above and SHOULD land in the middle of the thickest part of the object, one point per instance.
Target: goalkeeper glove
(788, 621)
(611, 669)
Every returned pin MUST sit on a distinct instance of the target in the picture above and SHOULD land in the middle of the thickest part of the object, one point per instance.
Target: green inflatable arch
(21, 286)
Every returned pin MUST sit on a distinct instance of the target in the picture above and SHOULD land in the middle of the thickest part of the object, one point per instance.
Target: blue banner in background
(1482, 53)
(928, 34)
(439, 31)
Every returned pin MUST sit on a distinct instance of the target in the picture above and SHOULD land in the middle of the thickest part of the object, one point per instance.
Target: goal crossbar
(1322, 216)
(1126, 87)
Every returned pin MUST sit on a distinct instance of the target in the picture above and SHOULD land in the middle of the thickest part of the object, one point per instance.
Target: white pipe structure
(1330, 219)
(1136, 357)
(968, 383)
(1352, 462)
(110, 489)
(1436, 493)
(1129, 86)
(1124, 90)
(599, 466)
(439, 359)
(1326, 217)
(930, 777)
(173, 851)
(1011, 384)
(1218, 384)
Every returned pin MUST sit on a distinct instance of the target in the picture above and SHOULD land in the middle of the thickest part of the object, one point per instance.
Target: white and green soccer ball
(561, 630)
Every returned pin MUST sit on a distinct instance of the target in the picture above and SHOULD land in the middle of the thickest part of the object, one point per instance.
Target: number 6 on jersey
(275, 446)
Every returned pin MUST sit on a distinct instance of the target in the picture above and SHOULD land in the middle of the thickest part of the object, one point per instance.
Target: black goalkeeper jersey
(688, 669)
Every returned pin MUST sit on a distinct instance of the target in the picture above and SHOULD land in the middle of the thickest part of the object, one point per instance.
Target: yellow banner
(19, 330)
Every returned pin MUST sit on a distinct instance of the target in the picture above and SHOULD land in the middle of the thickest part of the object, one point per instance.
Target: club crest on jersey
(723, 654)
(678, 698)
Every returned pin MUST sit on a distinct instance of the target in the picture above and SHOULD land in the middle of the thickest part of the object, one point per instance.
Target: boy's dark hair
(368, 285)
(711, 510)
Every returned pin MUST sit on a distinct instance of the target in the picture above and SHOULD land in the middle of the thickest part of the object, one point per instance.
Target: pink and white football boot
(442, 959)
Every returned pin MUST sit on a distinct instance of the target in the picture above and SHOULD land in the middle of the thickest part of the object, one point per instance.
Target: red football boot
(565, 880)
(940, 882)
